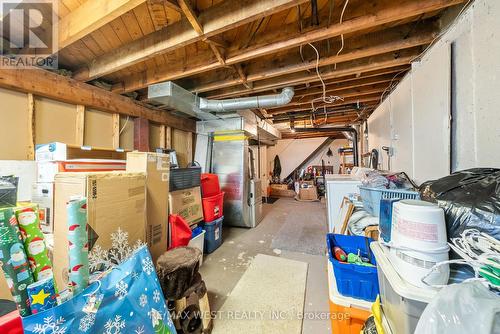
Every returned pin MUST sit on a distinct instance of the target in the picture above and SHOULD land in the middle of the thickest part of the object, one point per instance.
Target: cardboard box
(281, 190)
(157, 169)
(4, 288)
(25, 170)
(308, 194)
(114, 200)
(43, 195)
(187, 204)
(47, 170)
(51, 152)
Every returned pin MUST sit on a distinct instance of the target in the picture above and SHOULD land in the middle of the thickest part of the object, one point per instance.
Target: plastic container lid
(337, 298)
(400, 286)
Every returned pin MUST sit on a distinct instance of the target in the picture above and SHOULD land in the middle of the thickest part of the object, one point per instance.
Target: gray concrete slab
(223, 269)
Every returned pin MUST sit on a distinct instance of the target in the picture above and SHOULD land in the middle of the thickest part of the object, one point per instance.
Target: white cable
(123, 127)
(326, 99)
(341, 35)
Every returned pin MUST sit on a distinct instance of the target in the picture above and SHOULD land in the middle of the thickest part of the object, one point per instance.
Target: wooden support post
(31, 127)
(189, 145)
(162, 136)
(168, 137)
(80, 125)
(116, 131)
(141, 134)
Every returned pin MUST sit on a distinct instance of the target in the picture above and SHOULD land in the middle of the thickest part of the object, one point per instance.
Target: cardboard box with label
(187, 204)
(114, 200)
(157, 169)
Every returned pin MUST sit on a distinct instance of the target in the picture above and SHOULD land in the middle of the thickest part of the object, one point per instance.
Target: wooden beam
(80, 125)
(61, 88)
(403, 10)
(168, 137)
(363, 47)
(162, 136)
(116, 131)
(215, 20)
(31, 127)
(352, 100)
(342, 71)
(222, 94)
(189, 144)
(191, 16)
(90, 16)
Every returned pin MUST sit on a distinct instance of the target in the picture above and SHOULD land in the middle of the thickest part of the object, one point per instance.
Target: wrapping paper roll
(42, 295)
(14, 260)
(34, 242)
(78, 245)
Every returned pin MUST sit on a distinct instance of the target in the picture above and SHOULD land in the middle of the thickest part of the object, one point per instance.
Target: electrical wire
(123, 127)
(341, 35)
(326, 99)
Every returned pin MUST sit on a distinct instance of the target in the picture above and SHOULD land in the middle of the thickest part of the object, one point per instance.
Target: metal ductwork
(182, 100)
(254, 102)
(350, 130)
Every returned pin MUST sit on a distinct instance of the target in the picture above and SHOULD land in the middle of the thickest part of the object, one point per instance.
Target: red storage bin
(11, 323)
(209, 185)
(213, 207)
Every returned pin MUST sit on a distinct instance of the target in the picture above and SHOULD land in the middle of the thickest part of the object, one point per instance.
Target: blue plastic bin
(371, 197)
(213, 235)
(353, 280)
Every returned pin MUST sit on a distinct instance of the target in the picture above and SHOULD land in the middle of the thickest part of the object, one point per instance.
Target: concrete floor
(222, 269)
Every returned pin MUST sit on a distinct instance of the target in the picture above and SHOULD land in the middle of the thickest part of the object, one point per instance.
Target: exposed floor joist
(215, 20)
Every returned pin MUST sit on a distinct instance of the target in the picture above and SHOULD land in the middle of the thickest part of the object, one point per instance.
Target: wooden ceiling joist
(47, 84)
(343, 70)
(215, 20)
(90, 16)
(365, 46)
(273, 69)
(362, 99)
(392, 72)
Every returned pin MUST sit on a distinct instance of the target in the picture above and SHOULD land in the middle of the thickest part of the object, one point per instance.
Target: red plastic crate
(11, 323)
(213, 207)
(209, 185)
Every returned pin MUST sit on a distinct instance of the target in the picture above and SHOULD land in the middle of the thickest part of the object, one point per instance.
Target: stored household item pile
(412, 255)
(90, 266)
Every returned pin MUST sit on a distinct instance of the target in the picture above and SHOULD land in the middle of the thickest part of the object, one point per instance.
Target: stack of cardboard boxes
(135, 200)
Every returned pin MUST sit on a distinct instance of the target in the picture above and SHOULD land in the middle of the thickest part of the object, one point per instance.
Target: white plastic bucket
(418, 242)
(418, 225)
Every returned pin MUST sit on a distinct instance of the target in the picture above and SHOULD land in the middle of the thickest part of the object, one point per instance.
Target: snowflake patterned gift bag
(127, 299)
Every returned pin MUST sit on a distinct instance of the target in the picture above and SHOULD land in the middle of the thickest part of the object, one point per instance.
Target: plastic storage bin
(347, 315)
(209, 185)
(213, 207)
(11, 323)
(184, 178)
(213, 235)
(402, 302)
(353, 280)
(198, 240)
(371, 197)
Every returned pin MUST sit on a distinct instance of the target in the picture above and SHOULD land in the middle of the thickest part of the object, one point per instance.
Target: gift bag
(128, 299)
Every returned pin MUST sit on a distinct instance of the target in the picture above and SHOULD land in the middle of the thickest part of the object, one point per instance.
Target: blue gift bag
(128, 299)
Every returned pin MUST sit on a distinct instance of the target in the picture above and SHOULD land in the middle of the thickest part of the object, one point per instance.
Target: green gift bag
(14, 260)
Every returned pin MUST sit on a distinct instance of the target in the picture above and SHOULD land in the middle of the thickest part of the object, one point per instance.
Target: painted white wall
(458, 77)
(294, 151)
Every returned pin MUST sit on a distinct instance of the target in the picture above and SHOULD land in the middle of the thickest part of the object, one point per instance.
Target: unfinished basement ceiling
(229, 48)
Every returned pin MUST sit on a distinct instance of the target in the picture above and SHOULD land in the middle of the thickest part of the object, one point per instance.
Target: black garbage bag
(470, 199)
